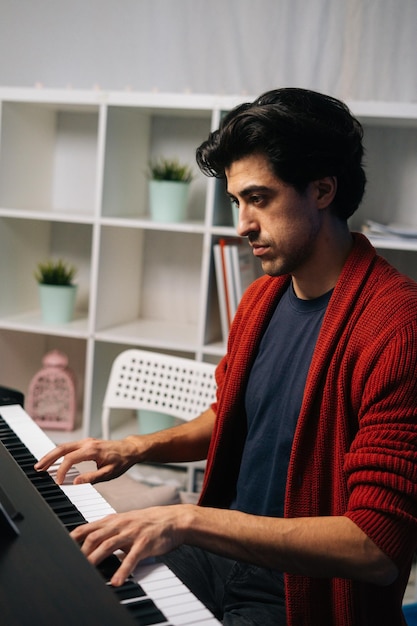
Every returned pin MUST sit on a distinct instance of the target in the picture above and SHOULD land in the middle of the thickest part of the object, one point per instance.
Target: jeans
(238, 594)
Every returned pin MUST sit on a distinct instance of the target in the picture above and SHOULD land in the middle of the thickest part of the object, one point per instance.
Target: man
(308, 513)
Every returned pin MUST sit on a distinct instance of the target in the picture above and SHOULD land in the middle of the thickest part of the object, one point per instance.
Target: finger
(98, 475)
(126, 568)
(63, 469)
(57, 465)
(54, 455)
(103, 538)
(68, 461)
(92, 534)
(133, 554)
(100, 544)
(48, 459)
(80, 533)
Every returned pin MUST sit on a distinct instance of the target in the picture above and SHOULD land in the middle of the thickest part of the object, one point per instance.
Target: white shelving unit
(73, 184)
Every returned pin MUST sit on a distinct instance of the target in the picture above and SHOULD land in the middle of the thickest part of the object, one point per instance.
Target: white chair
(182, 388)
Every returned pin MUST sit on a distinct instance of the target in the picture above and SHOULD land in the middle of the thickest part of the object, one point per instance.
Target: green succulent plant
(170, 169)
(52, 272)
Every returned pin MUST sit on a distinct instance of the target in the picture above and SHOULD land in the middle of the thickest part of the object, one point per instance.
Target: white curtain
(354, 49)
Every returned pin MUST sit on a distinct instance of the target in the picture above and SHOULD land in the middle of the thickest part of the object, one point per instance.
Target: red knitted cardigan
(355, 445)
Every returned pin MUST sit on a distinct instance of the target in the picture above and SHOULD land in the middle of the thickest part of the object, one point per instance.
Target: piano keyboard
(153, 594)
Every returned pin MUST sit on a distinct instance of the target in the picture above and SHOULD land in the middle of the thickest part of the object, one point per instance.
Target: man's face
(281, 224)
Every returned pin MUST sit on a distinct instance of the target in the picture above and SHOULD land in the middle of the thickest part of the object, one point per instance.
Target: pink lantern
(51, 398)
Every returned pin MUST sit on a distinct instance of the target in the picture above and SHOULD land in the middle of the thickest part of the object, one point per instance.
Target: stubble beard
(291, 260)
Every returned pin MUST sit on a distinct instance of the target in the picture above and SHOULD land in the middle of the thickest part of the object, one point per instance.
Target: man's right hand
(112, 458)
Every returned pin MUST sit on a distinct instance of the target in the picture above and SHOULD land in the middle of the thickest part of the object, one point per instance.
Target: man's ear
(326, 190)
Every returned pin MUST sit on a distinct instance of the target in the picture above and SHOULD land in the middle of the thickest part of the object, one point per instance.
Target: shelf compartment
(53, 149)
(133, 138)
(390, 166)
(149, 286)
(22, 354)
(24, 244)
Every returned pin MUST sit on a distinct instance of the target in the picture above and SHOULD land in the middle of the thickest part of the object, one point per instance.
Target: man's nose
(245, 223)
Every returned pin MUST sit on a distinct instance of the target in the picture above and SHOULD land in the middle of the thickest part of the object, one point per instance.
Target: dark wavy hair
(305, 136)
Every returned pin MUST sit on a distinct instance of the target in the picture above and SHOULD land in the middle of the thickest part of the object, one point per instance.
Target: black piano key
(61, 505)
(129, 591)
(16, 450)
(54, 499)
(145, 612)
(9, 439)
(38, 479)
(108, 566)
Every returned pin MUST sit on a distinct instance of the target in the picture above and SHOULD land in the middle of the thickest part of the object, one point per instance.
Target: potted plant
(57, 292)
(168, 189)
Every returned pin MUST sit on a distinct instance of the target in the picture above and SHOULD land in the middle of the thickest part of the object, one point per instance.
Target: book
(221, 291)
(235, 270)
(244, 269)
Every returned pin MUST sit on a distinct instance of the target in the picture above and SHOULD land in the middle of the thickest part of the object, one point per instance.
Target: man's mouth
(258, 249)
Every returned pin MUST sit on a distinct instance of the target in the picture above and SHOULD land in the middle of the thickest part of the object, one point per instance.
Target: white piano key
(182, 607)
(161, 584)
(27, 430)
(88, 501)
(185, 608)
(34, 438)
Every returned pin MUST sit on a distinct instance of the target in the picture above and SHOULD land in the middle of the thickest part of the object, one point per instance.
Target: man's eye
(256, 199)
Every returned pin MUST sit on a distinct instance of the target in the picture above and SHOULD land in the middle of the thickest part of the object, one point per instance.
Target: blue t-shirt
(273, 401)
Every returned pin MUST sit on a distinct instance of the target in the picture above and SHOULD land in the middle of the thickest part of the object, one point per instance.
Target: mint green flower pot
(57, 303)
(168, 200)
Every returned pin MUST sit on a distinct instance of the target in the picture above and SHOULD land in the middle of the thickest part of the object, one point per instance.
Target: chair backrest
(139, 379)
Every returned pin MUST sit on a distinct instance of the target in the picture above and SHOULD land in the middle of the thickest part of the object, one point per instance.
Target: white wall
(361, 49)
